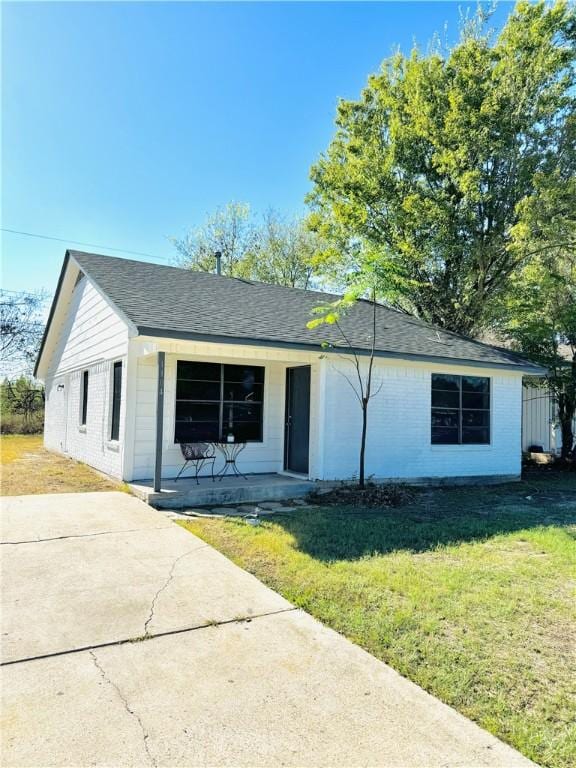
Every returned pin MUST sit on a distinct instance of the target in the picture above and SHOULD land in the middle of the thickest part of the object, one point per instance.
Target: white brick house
(138, 358)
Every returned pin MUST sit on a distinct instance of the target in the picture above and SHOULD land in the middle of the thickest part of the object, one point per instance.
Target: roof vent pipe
(218, 257)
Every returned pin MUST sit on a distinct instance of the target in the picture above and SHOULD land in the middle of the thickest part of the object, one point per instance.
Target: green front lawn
(469, 592)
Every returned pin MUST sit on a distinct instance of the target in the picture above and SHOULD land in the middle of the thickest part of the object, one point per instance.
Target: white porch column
(159, 422)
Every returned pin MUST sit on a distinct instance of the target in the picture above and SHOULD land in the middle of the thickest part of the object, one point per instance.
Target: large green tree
(429, 171)
(538, 312)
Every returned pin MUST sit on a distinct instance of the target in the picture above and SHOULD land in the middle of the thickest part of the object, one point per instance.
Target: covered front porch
(265, 399)
(186, 493)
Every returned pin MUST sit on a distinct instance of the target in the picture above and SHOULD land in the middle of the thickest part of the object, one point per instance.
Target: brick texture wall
(399, 439)
(91, 442)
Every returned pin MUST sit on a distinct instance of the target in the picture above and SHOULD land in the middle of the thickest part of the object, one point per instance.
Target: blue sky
(125, 123)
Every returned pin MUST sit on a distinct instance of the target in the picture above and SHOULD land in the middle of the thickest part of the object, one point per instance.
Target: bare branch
(21, 325)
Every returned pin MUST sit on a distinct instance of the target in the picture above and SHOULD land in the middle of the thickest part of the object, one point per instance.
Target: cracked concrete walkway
(126, 641)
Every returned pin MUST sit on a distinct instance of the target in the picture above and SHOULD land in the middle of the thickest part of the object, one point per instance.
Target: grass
(28, 468)
(469, 592)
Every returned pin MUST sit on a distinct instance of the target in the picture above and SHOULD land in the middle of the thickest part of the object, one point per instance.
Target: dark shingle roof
(178, 303)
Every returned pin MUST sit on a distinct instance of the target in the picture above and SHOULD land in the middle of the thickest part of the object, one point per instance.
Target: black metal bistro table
(230, 452)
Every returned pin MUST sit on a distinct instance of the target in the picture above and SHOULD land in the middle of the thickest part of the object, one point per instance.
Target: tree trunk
(566, 410)
(567, 439)
(361, 480)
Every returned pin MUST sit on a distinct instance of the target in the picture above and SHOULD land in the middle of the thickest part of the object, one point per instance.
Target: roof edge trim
(532, 369)
(51, 313)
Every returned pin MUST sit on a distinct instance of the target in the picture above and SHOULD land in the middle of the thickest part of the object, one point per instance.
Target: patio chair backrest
(194, 451)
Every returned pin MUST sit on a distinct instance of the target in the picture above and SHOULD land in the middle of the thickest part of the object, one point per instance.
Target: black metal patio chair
(198, 454)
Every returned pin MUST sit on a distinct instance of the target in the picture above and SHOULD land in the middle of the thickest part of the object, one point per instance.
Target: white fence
(540, 425)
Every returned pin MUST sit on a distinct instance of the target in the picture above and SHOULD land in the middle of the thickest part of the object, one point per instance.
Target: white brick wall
(398, 446)
(56, 414)
(89, 443)
(398, 443)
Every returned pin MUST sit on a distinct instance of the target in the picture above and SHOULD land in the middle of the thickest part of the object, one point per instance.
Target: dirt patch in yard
(28, 468)
(373, 496)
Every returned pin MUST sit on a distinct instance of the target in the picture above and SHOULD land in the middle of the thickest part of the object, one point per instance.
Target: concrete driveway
(126, 641)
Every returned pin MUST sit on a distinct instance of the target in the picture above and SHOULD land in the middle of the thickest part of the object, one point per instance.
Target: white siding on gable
(92, 331)
(91, 338)
(399, 426)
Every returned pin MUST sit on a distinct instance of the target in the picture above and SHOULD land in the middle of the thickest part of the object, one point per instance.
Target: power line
(78, 242)
(18, 293)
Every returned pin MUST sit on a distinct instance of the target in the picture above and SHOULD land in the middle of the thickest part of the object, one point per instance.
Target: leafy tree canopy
(435, 174)
(271, 249)
(283, 253)
(229, 230)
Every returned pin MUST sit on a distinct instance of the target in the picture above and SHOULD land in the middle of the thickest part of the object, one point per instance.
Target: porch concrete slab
(34, 518)
(229, 490)
(68, 593)
(279, 690)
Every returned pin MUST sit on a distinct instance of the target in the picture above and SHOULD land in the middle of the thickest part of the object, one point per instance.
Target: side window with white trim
(84, 398)
(116, 400)
(460, 410)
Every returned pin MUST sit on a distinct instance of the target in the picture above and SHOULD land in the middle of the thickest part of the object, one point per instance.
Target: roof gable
(63, 314)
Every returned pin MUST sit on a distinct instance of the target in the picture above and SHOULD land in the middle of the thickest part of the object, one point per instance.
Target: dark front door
(297, 429)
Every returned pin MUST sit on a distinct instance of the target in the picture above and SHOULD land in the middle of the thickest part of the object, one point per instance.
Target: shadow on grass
(437, 517)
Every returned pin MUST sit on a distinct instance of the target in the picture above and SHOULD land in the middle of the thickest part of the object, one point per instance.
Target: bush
(16, 424)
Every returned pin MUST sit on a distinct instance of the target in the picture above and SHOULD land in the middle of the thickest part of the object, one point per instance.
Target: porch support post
(159, 422)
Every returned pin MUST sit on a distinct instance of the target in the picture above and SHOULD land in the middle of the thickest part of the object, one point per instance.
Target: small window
(116, 400)
(84, 408)
(460, 410)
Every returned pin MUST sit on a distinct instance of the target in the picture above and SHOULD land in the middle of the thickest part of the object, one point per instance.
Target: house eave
(51, 314)
(162, 333)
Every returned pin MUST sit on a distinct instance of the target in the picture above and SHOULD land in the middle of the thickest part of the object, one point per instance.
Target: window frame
(84, 386)
(112, 402)
(460, 411)
(222, 401)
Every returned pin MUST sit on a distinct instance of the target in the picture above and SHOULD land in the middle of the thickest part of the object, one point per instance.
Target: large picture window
(460, 409)
(214, 401)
